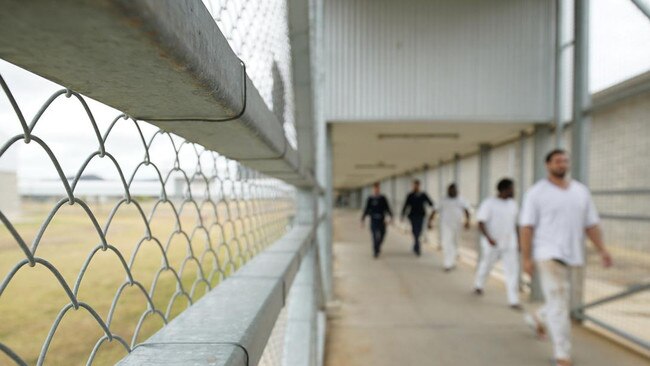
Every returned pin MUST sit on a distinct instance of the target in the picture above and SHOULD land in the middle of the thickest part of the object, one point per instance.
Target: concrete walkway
(403, 310)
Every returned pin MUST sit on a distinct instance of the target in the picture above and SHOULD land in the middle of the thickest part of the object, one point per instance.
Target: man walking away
(376, 207)
(415, 207)
(452, 208)
(556, 214)
(497, 222)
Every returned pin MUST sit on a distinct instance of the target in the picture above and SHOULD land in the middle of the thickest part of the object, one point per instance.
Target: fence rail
(169, 63)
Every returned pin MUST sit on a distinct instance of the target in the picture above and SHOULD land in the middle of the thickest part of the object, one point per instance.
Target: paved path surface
(402, 310)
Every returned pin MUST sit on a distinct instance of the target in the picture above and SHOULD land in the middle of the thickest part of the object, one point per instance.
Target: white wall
(438, 60)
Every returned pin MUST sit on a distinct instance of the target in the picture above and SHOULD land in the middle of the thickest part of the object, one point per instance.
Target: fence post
(581, 121)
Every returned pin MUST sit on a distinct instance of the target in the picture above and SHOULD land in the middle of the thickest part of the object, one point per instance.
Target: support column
(523, 168)
(425, 178)
(581, 122)
(457, 170)
(483, 184)
(541, 146)
(484, 172)
(581, 97)
(325, 237)
(393, 194)
(559, 75)
(441, 183)
(523, 173)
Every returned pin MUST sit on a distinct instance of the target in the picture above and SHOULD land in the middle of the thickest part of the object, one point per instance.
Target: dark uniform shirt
(376, 207)
(415, 204)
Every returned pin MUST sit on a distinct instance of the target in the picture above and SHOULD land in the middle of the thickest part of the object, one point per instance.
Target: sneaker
(516, 307)
(478, 291)
(535, 325)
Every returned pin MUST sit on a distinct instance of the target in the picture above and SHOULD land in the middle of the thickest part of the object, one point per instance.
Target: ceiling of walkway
(368, 151)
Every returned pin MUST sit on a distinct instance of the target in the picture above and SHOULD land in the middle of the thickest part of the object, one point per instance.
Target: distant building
(9, 199)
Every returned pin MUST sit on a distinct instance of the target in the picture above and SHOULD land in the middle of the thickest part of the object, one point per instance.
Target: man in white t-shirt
(451, 210)
(556, 214)
(497, 221)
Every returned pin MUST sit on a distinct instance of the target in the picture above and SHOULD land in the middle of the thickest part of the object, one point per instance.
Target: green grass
(31, 302)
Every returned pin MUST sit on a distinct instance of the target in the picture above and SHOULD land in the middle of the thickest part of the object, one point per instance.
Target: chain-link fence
(258, 32)
(89, 273)
(619, 177)
(274, 351)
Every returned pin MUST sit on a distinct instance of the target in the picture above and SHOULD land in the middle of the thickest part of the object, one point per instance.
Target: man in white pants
(451, 210)
(497, 221)
(556, 214)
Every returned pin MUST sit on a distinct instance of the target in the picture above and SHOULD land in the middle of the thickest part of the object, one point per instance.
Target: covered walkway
(403, 310)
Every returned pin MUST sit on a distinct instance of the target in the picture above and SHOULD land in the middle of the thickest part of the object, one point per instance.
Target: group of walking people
(546, 237)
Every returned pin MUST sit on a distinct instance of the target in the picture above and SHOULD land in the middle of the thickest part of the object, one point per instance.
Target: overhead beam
(165, 62)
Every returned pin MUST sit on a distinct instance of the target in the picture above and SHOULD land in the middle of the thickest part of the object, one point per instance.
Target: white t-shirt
(452, 211)
(559, 218)
(500, 219)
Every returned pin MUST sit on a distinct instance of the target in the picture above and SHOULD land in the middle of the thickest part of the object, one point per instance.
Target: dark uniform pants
(417, 222)
(378, 231)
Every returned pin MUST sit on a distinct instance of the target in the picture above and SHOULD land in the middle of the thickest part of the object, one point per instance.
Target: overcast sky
(620, 49)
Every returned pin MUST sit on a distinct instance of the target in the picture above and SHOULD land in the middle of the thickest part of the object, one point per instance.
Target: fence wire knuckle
(225, 214)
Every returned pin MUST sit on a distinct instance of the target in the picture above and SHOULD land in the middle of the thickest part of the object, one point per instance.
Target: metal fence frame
(197, 58)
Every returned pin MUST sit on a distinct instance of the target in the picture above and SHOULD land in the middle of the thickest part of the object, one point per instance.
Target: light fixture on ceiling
(359, 175)
(419, 136)
(379, 165)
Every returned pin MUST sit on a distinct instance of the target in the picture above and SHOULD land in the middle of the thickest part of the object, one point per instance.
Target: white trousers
(449, 239)
(510, 259)
(554, 279)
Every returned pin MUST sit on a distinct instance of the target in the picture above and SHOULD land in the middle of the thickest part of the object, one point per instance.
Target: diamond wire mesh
(258, 32)
(274, 351)
(620, 182)
(222, 214)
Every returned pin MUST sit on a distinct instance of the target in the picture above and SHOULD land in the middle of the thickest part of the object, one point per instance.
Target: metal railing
(209, 216)
(616, 299)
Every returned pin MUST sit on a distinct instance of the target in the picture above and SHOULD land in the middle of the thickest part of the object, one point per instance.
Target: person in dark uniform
(376, 207)
(414, 209)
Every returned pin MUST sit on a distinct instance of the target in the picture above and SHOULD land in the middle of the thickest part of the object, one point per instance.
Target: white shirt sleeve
(463, 203)
(483, 213)
(529, 213)
(591, 217)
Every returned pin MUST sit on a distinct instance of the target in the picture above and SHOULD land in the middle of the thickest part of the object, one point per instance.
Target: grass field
(33, 299)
